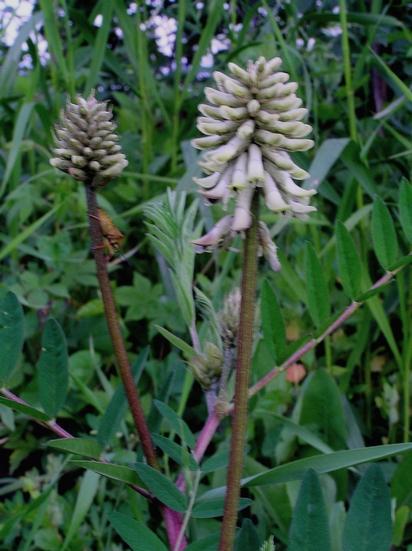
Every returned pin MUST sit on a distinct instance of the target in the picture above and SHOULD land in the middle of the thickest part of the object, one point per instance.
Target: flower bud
(86, 146)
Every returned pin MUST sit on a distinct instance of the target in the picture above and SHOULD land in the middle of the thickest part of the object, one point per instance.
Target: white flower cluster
(252, 126)
(87, 147)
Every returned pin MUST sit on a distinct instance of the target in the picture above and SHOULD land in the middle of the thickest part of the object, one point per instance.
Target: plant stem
(245, 341)
(52, 425)
(348, 76)
(114, 330)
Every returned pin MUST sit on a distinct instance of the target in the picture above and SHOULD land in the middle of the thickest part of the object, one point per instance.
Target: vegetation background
(353, 63)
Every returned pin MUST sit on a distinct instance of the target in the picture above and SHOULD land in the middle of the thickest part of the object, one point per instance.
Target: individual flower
(86, 145)
(252, 126)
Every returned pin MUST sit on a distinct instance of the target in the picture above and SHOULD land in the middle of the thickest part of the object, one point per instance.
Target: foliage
(339, 307)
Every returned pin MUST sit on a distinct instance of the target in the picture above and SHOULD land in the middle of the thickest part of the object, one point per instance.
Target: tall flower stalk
(252, 126)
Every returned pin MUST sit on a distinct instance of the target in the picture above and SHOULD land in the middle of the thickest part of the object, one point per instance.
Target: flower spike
(252, 125)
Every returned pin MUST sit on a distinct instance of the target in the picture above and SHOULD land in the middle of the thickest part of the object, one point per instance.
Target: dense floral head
(252, 126)
(87, 147)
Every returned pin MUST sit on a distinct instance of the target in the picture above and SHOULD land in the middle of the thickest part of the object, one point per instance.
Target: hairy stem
(245, 341)
(114, 330)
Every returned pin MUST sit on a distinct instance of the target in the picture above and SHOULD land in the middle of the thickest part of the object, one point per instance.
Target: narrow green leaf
(405, 207)
(217, 461)
(100, 46)
(273, 325)
(401, 519)
(79, 446)
(11, 334)
(309, 530)
(384, 235)
(373, 292)
(326, 156)
(188, 350)
(9, 525)
(18, 135)
(214, 507)
(116, 410)
(26, 410)
(358, 169)
(206, 544)
(288, 274)
(208, 33)
(53, 368)
(322, 407)
(10, 62)
(162, 487)
(248, 538)
(325, 463)
(369, 523)
(401, 483)
(301, 432)
(317, 288)
(53, 37)
(116, 472)
(154, 419)
(85, 496)
(178, 453)
(26, 233)
(348, 261)
(137, 536)
(176, 422)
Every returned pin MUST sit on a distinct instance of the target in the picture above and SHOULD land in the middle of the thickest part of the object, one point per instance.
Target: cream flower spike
(250, 130)
(87, 147)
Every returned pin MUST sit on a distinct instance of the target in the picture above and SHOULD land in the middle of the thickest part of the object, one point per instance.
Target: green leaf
(115, 472)
(348, 261)
(273, 325)
(217, 461)
(325, 463)
(11, 334)
(402, 516)
(214, 507)
(25, 409)
(322, 407)
(85, 496)
(247, 539)
(368, 523)
(384, 236)
(405, 208)
(178, 453)
(301, 432)
(317, 288)
(117, 407)
(79, 446)
(309, 530)
(326, 156)
(288, 274)
(207, 544)
(137, 536)
(188, 350)
(401, 483)
(53, 368)
(358, 169)
(162, 487)
(176, 422)
(21, 236)
(100, 46)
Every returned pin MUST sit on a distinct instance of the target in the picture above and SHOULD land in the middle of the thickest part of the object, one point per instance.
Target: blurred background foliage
(151, 61)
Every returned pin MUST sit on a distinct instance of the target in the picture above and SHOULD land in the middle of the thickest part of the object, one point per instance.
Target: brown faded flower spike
(86, 145)
(253, 124)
